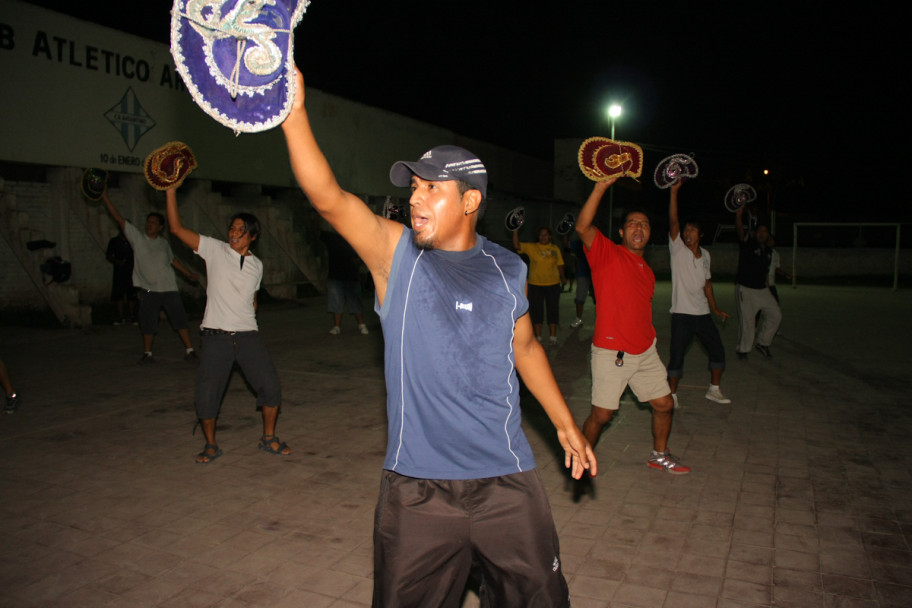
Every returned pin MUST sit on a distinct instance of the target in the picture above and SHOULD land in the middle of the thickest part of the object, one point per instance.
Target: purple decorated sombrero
(673, 168)
(237, 58)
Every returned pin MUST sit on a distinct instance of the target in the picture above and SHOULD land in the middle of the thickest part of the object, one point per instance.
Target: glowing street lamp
(614, 110)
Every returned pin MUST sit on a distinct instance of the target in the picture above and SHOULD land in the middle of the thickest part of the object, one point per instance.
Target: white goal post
(797, 225)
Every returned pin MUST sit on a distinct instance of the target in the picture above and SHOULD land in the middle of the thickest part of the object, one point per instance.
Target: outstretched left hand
(578, 454)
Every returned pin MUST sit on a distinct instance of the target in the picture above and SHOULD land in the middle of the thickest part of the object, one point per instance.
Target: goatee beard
(424, 245)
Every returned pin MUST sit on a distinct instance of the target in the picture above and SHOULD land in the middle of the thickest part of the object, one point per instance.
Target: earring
(466, 211)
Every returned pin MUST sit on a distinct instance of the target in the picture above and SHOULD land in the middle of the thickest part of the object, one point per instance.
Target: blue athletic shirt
(452, 389)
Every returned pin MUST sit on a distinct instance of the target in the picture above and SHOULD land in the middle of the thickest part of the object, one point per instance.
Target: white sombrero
(738, 196)
(673, 168)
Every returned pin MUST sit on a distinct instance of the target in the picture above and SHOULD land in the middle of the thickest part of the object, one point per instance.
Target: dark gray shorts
(218, 354)
(431, 534)
(151, 302)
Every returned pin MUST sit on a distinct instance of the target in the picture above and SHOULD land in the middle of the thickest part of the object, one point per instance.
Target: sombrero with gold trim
(237, 58)
(601, 158)
(586, 157)
(168, 166)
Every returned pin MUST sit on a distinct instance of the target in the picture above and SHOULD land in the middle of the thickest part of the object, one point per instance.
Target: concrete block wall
(57, 211)
(26, 211)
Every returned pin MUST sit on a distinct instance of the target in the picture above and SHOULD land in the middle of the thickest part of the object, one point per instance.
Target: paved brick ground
(800, 495)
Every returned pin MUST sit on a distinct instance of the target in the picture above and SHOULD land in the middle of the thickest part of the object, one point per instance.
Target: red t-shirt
(624, 286)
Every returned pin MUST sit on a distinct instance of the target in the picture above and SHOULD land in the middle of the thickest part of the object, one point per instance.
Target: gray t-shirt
(152, 259)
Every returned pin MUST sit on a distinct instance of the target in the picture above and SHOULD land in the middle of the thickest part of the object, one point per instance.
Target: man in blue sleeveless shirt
(459, 488)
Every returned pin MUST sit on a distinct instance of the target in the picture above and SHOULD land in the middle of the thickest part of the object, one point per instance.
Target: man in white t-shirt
(153, 278)
(692, 301)
(229, 329)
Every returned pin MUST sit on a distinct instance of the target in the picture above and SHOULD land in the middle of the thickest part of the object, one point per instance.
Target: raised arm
(674, 224)
(516, 243)
(584, 221)
(374, 238)
(115, 215)
(739, 224)
(532, 364)
(188, 237)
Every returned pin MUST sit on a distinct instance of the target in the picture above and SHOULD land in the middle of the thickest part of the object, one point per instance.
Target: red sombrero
(601, 158)
(168, 166)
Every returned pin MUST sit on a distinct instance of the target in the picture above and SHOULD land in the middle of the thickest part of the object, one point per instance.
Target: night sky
(810, 93)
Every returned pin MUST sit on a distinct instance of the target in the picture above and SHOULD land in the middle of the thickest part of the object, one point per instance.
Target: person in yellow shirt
(546, 278)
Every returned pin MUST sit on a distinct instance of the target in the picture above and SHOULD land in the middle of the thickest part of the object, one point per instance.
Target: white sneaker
(553, 341)
(576, 323)
(336, 330)
(715, 394)
(363, 329)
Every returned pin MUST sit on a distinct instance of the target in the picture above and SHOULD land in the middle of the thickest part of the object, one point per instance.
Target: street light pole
(613, 112)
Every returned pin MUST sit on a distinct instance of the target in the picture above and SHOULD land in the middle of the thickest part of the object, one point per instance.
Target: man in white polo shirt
(229, 329)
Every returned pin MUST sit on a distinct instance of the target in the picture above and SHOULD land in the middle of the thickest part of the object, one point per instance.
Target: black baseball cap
(441, 164)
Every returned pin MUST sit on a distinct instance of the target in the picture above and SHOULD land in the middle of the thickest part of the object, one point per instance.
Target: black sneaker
(12, 404)
(146, 359)
(742, 356)
(764, 350)
(191, 356)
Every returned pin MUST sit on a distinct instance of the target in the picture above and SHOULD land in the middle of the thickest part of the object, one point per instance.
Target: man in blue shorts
(459, 490)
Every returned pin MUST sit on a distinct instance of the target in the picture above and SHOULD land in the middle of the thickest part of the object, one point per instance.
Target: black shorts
(218, 354)
(151, 302)
(540, 297)
(430, 534)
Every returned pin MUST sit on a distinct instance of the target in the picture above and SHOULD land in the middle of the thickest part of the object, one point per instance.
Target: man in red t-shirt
(624, 343)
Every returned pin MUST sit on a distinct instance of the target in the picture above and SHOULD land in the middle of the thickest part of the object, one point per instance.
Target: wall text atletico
(78, 55)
